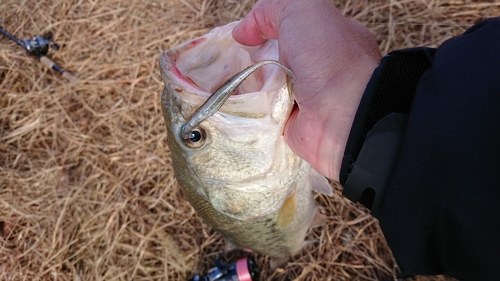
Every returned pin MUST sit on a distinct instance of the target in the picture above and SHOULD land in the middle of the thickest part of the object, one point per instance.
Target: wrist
(349, 91)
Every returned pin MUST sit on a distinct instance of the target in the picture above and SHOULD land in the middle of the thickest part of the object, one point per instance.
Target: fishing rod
(38, 46)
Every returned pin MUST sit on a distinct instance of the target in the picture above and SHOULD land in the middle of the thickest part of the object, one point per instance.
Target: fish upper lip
(168, 65)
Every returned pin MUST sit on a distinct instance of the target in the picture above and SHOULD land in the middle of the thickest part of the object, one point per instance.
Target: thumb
(303, 136)
(260, 24)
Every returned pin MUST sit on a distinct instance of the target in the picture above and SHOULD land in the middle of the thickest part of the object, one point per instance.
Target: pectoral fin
(318, 219)
(275, 262)
(319, 183)
(230, 246)
(287, 212)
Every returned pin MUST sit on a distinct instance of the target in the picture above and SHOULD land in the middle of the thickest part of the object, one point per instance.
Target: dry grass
(86, 184)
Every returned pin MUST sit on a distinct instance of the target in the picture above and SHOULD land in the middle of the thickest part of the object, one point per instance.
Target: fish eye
(196, 139)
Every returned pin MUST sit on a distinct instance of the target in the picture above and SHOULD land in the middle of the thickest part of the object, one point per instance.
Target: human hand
(332, 58)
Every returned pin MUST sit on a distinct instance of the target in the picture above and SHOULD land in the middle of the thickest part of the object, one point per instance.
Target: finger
(304, 138)
(261, 23)
(295, 135)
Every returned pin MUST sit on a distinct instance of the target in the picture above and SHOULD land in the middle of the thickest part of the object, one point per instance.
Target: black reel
(39, 45)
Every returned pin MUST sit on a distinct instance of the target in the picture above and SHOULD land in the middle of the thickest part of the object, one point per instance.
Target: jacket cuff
(390, 90)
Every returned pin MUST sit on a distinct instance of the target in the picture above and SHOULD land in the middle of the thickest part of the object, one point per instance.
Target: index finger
(261, 23)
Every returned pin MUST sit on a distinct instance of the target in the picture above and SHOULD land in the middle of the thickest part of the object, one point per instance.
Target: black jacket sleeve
(438, 197)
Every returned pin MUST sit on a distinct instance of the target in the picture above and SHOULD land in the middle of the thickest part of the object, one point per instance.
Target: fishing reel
(39, 45)
(243, 269)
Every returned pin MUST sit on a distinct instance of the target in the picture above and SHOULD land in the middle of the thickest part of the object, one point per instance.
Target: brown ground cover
(86, 185)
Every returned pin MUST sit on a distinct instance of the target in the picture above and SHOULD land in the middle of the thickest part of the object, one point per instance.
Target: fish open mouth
(205, 63)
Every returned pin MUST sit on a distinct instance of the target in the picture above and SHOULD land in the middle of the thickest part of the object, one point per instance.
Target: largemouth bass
(234, 167)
